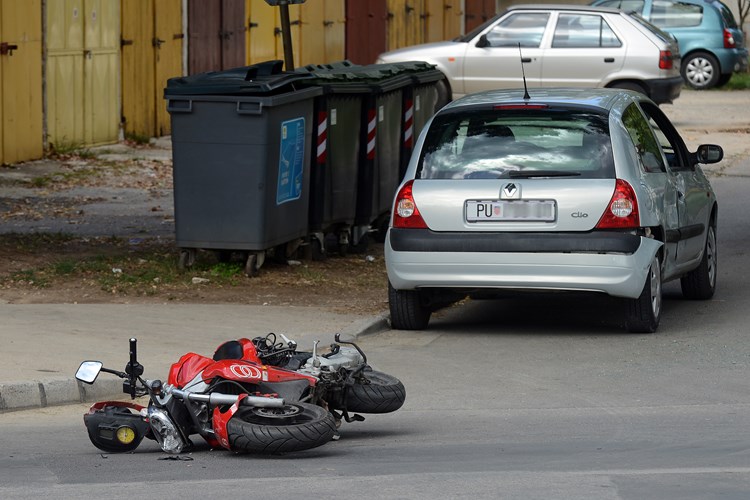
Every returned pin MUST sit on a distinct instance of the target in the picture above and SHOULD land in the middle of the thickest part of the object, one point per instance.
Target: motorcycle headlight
(165, 431)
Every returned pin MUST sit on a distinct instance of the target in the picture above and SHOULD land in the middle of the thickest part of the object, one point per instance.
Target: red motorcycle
(258, 395)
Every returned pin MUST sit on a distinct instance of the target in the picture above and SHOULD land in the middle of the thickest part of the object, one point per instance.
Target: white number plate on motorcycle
(511, 210)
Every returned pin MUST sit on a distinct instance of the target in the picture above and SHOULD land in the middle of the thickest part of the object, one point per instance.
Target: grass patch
(137, 138)
(739, 81)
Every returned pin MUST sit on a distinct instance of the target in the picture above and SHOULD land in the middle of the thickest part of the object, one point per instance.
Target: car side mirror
(709, 153)
(88, 371)
(483, 42)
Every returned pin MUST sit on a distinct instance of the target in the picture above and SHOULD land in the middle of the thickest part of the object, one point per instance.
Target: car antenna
(526, 95)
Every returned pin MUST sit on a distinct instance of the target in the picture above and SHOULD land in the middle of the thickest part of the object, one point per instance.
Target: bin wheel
(253, 263)
(187, 259)
(317, 252)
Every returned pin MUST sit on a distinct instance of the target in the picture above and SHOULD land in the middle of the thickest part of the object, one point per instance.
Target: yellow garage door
(83, 42)
(20, 80)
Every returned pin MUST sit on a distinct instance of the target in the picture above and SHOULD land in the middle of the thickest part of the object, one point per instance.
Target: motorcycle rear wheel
(295, 427)
(377, 393)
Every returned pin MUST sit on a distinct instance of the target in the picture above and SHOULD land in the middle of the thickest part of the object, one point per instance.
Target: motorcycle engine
(339, 357)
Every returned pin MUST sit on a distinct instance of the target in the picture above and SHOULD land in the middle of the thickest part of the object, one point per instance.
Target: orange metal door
(138, 93)
(20, 81)
(168, 38)
(261, 36)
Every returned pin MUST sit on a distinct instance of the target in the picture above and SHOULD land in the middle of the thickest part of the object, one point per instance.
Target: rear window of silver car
(512, 144)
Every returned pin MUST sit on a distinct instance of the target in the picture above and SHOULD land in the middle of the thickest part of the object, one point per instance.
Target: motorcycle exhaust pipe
(217, 399)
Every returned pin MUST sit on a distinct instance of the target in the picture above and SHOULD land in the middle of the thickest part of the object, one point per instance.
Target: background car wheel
(643, 314)
(700, 283)
(700, 70)
(723, 79)
(408, 310)
(637, 87)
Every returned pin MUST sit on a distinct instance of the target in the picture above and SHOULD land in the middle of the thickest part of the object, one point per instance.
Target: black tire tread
(696, 284)
(273, 439)
(384, 394)
(407, 310)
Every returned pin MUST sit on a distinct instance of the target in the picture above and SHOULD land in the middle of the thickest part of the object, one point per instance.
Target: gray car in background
(586, 190)
(560, 45)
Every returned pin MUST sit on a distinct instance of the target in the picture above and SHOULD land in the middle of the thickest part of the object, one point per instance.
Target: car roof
(605, 99)
(557, 6)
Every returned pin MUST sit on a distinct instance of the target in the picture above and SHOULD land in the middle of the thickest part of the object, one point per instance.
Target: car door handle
(525, 59)
(609, 59)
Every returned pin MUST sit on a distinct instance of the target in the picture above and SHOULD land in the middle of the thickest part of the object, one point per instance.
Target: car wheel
(700, 70)
(643, 314)
(700, 283)
(723, 79)
(443, 94)
(408, 309)
(637, 87)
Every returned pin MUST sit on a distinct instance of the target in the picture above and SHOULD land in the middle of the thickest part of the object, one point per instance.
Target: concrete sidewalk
(43, 344)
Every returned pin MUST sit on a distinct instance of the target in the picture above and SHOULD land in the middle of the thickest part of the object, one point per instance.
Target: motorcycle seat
(229, 350)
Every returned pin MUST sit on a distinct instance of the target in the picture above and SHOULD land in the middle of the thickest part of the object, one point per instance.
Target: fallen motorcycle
(258, 396)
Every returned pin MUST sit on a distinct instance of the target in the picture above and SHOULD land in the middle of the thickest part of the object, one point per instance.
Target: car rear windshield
(499, 144)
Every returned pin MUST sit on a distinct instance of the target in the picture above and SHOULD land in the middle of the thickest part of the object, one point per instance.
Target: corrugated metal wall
(20, 80)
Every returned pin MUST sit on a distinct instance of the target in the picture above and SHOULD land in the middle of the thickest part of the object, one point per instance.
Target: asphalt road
(544, 397)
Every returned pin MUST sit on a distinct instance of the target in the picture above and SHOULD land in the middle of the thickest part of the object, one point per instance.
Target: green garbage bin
(241, 143)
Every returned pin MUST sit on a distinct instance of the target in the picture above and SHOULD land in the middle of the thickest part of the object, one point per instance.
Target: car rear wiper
(527, 174)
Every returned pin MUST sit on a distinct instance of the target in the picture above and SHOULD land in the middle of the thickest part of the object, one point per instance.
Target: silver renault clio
(588, 190)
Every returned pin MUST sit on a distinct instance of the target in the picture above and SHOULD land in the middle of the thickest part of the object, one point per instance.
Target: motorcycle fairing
(187, 368)
(253, 373)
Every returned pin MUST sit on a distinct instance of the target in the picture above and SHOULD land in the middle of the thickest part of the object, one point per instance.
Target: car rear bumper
(732, 60)
(617, 273)
(664, 90)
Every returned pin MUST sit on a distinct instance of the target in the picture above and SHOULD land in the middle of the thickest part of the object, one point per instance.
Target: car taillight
(665, 59)
(405, 211)
(729, 42)
(622, 209)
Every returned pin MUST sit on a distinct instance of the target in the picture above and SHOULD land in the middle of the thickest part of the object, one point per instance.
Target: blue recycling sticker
(291, 160)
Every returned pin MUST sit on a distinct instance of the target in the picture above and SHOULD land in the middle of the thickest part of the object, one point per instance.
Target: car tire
(723, 79)
(408, 309)
(700, 283)
(643, 314)
(443, 94)
(700, 70)
(635, 86)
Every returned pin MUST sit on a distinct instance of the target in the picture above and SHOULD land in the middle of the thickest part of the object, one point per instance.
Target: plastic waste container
(362, 123)
(241, 143)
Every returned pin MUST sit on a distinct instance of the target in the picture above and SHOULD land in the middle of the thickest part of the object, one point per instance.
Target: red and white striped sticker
(409, 123)
(371, 126)
(322, 136)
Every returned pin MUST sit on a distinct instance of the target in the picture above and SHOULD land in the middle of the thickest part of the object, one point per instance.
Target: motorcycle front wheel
(294, 427)
(375, 392)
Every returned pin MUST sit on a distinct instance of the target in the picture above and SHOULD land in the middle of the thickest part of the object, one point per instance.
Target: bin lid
(347, 77)
(259, 79)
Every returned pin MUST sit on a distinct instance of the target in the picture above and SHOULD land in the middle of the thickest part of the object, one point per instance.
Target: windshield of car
(512, 143)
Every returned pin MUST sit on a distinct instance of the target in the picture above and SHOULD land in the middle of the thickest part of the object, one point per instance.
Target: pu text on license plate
(510, 210)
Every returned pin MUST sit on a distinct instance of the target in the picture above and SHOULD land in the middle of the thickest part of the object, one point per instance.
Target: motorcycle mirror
(88, 371)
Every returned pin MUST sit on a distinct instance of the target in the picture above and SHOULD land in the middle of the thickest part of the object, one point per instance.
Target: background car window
(645, 143)
(626, 5)
(488, 145)
(526, 28)
(726, 14)
(668, 14)
(583, 31)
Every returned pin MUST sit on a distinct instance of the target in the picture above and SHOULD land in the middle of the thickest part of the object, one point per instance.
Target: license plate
(510, 210)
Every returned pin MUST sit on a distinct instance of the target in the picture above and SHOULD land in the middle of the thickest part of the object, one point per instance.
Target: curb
(23, 395)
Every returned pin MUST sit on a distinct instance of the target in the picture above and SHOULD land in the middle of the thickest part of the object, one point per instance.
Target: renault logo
(510, 191)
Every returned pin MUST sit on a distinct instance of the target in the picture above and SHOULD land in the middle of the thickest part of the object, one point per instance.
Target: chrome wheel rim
(699, 71)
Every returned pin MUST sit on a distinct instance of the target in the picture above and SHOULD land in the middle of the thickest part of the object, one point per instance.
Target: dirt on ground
(49, 252)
